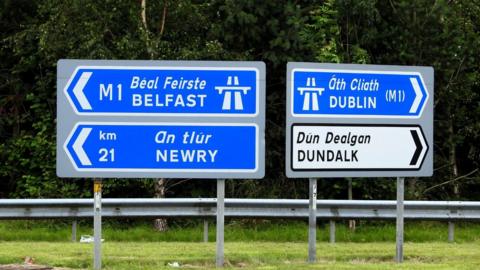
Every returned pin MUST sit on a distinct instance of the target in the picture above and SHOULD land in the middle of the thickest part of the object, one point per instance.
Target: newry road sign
(359, 120)
(158, 147)
(174, 119)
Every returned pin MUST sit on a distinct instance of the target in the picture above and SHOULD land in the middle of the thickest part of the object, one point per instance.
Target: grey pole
(351, 222)
(97, 224)
(74, 230)
(399, 236)
(332, 231)
(205, 230)
(220, 221)
(451, 231)
(312, 221)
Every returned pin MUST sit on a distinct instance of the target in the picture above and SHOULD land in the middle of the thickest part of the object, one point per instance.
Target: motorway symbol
(357, 93)
(156, 147)
(236, 89)
(160, 119)
(130, 90)
(344, 147)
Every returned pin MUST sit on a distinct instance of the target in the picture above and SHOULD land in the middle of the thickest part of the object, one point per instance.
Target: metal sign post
(348, 120)
(161, 119)
(97, 224)
(399, 227)
(220, 222)
(312, 221)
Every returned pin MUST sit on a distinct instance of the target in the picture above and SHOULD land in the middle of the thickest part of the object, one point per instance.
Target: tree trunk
(144, 13)
(453, 160)
(160, 224)
(412, 188)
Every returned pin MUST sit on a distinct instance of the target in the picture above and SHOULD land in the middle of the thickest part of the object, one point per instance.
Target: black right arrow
(419, 149)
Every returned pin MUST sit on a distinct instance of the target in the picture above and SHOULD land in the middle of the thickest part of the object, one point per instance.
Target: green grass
(249, 255)
(248, 244)
(238, 230)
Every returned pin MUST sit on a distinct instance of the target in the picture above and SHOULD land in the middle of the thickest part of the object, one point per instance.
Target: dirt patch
(29, 267)
(24, 267)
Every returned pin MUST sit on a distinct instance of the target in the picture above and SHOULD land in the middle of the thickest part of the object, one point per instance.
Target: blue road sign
(350, 93)
(152, 147)
(130, 90)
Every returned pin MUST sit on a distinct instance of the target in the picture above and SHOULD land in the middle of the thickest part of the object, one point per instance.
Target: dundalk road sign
(343, 147)
(151, 119)
(359, 120)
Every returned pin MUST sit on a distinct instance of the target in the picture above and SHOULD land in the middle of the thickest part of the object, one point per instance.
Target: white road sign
(346, 147)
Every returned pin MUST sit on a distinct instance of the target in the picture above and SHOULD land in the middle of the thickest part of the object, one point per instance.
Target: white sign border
(257, 152)
(319, 70)
(416, 126)
(250, 115)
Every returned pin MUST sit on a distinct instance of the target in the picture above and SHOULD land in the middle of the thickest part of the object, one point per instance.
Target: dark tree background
(34, 34)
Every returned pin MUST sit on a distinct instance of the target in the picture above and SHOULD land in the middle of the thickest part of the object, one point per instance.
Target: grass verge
(237, 230)
(246, 255)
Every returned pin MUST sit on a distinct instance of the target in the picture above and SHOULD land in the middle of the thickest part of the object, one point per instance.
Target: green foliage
(442, 34)
(323, 33)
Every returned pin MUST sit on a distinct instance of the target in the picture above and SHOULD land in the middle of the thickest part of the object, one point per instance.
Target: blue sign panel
(163, 147)
(337, 93)
(169, 90)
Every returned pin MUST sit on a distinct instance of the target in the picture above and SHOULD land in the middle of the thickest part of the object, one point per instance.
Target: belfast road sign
(359, 120)
(174, 119)
(134, 90)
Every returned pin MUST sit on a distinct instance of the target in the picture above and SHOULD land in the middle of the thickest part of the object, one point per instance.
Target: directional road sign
(156, 147)
(134, 90)
(359, 120)
(346, 147)
(351, 93)
(152, 119)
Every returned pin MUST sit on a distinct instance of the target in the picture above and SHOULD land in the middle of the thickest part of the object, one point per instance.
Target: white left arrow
(78, 146)
(78, 90)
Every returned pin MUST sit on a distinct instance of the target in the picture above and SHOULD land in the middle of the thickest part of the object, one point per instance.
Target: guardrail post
(400, 208)
(220, 221)
(74, 230)
(312, 220)
(332, 231)
(451, 231)
(97, 224)
(205, 230)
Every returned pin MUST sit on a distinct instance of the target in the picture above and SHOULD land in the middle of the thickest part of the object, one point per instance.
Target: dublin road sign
(347, 120)
(357, 93)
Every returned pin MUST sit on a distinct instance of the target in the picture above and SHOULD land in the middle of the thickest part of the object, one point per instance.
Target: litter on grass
(88, 239)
